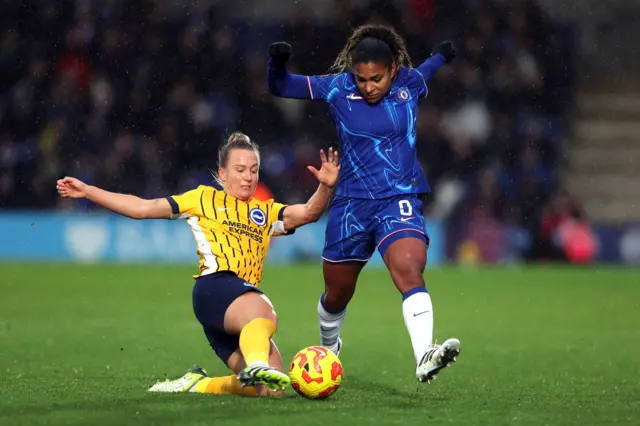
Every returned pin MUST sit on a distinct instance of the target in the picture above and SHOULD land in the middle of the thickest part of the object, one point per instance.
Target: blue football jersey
(378, 142)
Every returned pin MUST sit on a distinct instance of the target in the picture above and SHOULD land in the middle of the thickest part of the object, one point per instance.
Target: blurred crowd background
(137, 96)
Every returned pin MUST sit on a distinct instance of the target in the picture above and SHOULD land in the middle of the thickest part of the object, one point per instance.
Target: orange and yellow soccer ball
(315, 372)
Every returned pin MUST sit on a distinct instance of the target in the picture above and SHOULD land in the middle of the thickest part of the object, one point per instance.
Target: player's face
(240, 176)
(373, 80)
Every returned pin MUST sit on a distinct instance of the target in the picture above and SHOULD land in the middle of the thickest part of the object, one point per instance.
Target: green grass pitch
(79, 345)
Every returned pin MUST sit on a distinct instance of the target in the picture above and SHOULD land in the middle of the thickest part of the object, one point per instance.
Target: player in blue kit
(373, 97)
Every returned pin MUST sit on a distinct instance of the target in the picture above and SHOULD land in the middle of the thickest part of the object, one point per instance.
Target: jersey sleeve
(322, 87)
(424, 72)
(187, 204)
(282, 83)
(276, 220)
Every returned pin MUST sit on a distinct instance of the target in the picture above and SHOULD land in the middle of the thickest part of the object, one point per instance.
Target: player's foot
(184, 384)
(336, 348)
(437, 358)
(262, 374)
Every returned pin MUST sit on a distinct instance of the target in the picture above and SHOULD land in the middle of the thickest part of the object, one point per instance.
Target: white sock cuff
(417, 299)
(329, 316)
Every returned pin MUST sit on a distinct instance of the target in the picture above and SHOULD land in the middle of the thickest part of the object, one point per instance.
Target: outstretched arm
(297, 215)
(284, 84)
(429, 67)
(127, 205)
(281, 82)
(441, 54)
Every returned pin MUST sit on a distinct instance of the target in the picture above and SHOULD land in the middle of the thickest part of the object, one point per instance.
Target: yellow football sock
(255, 340)
(228, 385)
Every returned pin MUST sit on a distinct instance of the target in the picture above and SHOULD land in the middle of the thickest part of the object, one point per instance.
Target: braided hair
(372, 43)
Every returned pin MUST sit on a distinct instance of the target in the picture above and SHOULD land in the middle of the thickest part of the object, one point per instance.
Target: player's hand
(280, 51)
(447, 50)
(70, 187)
(329, 170)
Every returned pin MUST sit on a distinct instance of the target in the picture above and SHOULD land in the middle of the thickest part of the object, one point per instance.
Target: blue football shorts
(356, 226)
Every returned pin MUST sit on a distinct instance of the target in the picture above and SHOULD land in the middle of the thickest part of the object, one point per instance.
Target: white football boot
(185, 383)
(436, 358)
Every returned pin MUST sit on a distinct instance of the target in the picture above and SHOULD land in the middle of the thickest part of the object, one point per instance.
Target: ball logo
(258, 217)
(83, 248)
(403, 94)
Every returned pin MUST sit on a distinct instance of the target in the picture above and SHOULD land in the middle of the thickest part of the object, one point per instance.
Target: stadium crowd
(136, 98)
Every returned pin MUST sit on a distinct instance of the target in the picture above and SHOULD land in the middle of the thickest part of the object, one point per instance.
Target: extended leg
(406, 258)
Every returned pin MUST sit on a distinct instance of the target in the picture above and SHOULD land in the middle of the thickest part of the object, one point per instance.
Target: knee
(337, 295)
(340, 282)
(408, 267)
(268, 311)
(273, 318)
(263, 320)
(247, 308)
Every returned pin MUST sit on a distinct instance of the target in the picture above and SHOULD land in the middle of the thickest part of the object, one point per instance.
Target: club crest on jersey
(403, 94)
(258, 217)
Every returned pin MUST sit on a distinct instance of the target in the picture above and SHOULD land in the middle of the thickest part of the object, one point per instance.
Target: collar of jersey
(395, 85)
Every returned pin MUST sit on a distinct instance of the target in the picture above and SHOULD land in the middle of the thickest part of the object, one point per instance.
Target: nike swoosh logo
(420, 313)
(404, 219)
(222, 209)
(354, 96)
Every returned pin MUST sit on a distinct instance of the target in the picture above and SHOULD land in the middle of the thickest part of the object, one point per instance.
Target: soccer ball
(315, 372)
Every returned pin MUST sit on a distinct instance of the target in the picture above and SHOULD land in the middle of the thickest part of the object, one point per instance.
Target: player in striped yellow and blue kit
(232, 231)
